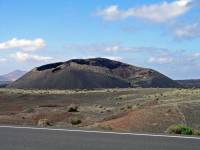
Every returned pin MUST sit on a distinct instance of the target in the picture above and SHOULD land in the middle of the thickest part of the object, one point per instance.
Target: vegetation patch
(49, 105)
(75, 121)
(105, 127)
(182, 129)
(28, 110)
(43, 123)
(73, 108)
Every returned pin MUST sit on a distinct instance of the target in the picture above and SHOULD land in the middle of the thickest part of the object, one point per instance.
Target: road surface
(19, 138)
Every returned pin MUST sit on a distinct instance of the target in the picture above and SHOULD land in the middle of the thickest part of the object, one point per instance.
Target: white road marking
(102, 132)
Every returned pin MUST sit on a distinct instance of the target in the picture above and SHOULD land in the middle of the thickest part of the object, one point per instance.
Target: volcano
(92, 73)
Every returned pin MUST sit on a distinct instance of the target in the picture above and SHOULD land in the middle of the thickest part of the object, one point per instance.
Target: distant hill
(193, 83)
(4, 83)
(12, 76)
(2, 78)
(92, 73)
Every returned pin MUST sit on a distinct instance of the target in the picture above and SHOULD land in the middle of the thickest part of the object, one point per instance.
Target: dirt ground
(132, 110)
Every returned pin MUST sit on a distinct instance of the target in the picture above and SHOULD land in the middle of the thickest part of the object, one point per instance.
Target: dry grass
(52, 117)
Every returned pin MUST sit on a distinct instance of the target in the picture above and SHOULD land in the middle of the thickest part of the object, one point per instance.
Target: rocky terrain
(133, 110)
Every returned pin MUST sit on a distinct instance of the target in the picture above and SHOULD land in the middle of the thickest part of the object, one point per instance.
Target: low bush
(196, 132)
(182, 129)
(28, 110)
(105, 127)
(73, 108)
(75, 121)
(129, 106)
(43, 123)
(49, 105)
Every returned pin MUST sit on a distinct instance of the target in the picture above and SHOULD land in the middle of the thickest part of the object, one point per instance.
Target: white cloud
(155, 12)
(23, 44)
(22, 57)
(110, 13)
(160, 60)
(187, 31)
(112, 48)
(3, 59)
(196, 55)
(175, 58)
(106, 47)
(116, 58)
(178, 64)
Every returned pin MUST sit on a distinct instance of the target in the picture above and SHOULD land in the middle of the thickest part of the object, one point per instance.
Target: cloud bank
(23, 44)
(187, 31)
(26, 49)
(22, 57)
(161, 12)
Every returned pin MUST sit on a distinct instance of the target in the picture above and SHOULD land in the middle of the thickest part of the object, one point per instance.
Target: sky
(160, 34)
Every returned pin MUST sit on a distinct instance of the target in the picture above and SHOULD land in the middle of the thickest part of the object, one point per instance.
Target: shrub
(43, 123)
(100, 106)
(182, 129)
(105, 127)
(129, 107)
(28, 110)
(75, 121)
(73, 108)
(196, 132)
(48, 105)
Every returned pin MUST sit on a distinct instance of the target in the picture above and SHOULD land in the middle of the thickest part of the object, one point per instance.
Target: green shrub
(105, 127)
(28, 110)
(75, 121)
(129, 106)
(73, 108)
(196, 132)
(182, 129)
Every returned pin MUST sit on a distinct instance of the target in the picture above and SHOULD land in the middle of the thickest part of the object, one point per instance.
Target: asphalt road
(39, 139)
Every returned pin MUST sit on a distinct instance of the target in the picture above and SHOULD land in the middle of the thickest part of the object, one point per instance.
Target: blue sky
(160, 34)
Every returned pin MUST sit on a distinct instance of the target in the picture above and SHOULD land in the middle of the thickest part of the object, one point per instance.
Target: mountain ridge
(190, 83)
(12, 76)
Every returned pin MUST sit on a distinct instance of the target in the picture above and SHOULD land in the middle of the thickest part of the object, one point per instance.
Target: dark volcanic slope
(195, 83)
(92, 73)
